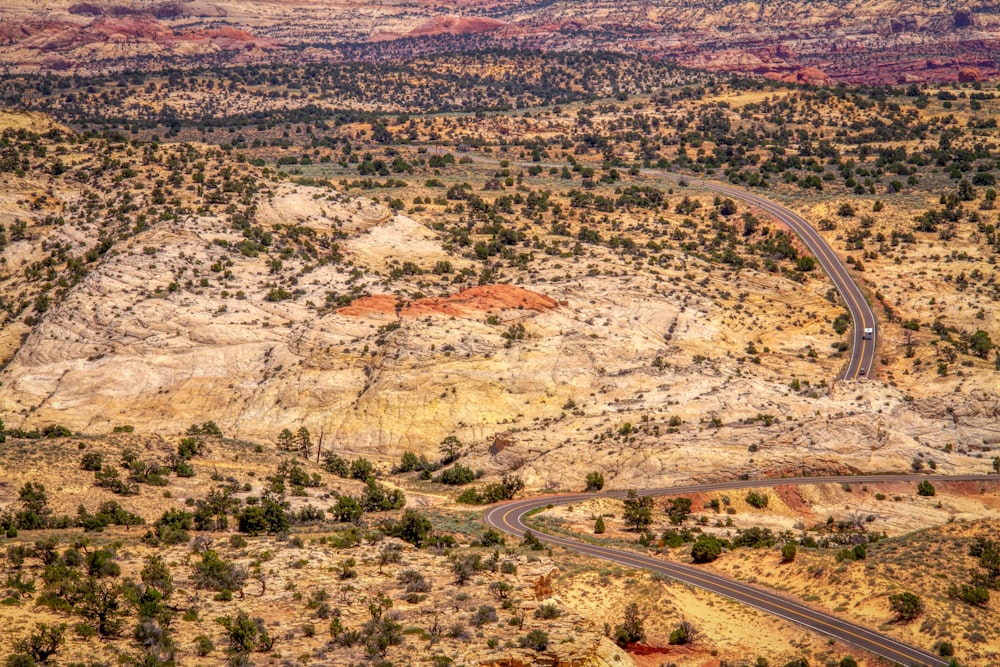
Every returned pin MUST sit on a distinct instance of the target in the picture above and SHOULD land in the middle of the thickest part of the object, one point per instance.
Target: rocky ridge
(863, 41)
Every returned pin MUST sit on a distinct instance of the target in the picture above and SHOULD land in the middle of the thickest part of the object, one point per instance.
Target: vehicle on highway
(869, 333)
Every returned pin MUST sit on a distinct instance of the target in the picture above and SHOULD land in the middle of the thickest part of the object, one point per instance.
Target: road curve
(509, 518)
(863, 348)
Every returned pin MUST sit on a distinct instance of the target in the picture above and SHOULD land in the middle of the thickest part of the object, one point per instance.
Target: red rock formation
(227, 38)
(472, 302)
(810, 76)
(501, 442)
(969, 75)
(455, 25)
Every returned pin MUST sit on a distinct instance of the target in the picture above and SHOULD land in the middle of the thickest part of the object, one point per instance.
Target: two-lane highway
(510, 518)
(863, 348)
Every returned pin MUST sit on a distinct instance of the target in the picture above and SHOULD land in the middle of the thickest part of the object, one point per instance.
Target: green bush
(41, 644)
(595, 481)
(216, 574)
(638, 510)
(758, 500)
(203, 645)
(412, 527)
(685, 633)
(91, 461)
(788, 553)
(536, 639)
(456, 475)
(706, 549)
(754, 537)
(631, 629)
(975, 595)
(505, 489)
(548, 611)
(906, 605)
(925, 488)
(531, 541)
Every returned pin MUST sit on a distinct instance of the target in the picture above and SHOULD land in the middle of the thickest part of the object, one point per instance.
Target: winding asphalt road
(510, 517)
(863, 348)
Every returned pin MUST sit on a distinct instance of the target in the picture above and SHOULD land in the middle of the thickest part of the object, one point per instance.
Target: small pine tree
(286, 440)
(631, 630)
(599, 526)
(906, 605)
(303, 440)
(595, 481)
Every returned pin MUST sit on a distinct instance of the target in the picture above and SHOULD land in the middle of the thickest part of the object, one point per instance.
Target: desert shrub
(203, 645)
(974, 595)
(246, 634)
(109, 478)
(678, 510)
(380, 498)
(638, 511)
(548, 611)
(361, 469)
(456, 475)
(412, 527)
(101, 563)
(595, 481)
(906, 605)
(410, 462)
(631, 629)
(414, 580)
(43, 643)
(485, 614)
(685, 633)
(505, 489)
(537, 640)
(209, 428)
(216, 574)
(754, 537)
(269, 515)
(335, 464)
(492, 538)
(706, 549)
(758, 500)
(91, 461)
(347, 510)
(188, 448)
(531, 541)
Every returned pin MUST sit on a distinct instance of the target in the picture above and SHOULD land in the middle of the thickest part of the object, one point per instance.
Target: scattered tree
(638, 510)
(906, 605)
(595, 481)
(631, 629)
